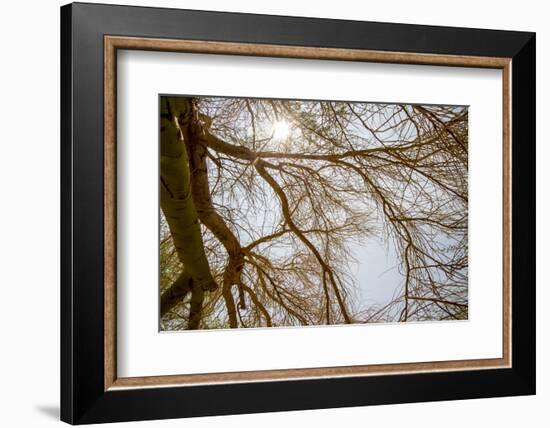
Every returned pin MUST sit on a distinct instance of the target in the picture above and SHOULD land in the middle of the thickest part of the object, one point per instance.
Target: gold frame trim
(112, 43)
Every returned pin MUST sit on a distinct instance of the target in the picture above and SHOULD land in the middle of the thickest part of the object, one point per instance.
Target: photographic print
(287, 213)
(275, 190)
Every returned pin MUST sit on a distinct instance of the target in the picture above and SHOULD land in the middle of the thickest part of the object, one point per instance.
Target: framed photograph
(266, 213)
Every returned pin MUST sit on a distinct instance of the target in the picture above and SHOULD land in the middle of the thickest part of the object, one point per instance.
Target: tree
(261, 198)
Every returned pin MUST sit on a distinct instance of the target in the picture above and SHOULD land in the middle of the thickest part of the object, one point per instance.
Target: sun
(281, 130)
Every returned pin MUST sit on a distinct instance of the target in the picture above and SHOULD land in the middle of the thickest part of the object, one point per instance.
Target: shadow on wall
(50, 411)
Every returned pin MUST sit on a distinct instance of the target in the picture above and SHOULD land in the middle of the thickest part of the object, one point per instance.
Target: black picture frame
(83, 396)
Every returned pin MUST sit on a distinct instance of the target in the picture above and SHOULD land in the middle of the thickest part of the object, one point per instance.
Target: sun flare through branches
(297, 213)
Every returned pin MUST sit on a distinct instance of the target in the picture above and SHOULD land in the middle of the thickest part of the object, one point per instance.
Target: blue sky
(376, 272)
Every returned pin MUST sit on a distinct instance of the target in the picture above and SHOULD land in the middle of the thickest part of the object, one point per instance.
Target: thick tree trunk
(179, 209)
(194, 134)
(176, 293)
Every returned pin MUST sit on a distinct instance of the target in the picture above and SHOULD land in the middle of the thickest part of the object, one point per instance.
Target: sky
(376, 272)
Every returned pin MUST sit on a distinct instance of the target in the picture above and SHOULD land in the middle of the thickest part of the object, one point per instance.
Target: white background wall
(29, 214)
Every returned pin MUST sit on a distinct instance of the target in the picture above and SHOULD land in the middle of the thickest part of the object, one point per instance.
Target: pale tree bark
(181, 215)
